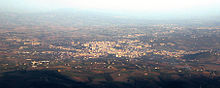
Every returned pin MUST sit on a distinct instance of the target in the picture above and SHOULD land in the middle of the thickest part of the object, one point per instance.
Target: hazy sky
(181, 7)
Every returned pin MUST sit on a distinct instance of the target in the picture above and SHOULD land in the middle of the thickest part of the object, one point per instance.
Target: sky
(154, 7)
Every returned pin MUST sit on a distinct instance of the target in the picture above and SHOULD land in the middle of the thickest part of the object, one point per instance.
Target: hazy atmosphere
(136, 8)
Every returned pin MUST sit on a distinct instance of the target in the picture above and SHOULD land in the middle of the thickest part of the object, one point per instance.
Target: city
(113, 56)
(109, 44)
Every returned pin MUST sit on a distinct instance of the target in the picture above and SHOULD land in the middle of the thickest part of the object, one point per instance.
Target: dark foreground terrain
(53, 79)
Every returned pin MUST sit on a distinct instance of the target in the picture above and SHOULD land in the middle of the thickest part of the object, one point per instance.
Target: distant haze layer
(141, 8)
